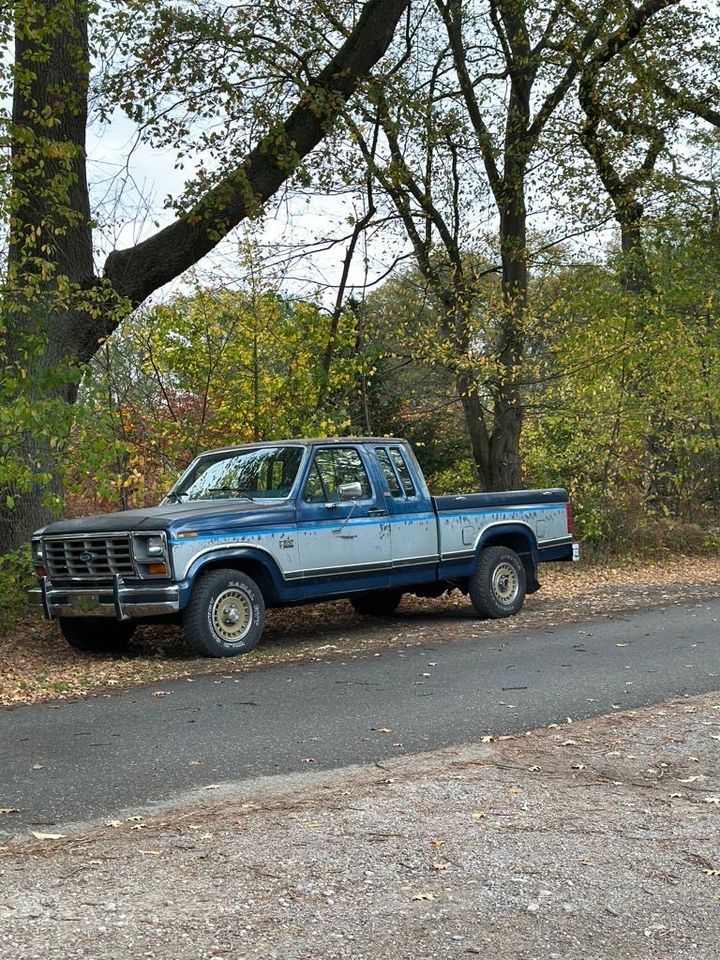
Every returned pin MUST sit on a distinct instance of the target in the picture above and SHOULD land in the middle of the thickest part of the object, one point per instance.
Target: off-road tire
(381, 603)
(498, 584)
(97, 634)
(226, 614)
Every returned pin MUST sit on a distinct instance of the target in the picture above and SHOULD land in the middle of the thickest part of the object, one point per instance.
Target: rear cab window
(389, 472)
(403, 471)
(396, 471)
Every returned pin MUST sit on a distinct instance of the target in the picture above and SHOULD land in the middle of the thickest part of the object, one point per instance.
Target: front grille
(89, 557)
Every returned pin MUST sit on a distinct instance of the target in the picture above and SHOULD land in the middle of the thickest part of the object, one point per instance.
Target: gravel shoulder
(36, 664)
(592, 839)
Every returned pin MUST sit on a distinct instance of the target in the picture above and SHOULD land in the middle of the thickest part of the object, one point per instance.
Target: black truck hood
(203, 516)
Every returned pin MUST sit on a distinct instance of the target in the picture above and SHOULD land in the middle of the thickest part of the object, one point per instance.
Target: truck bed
(490, 501)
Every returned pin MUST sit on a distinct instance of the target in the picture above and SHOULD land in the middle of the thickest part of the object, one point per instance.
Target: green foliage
(207, 370)
(625, 404)
(15, 577)
(459, 477)
(33, 415)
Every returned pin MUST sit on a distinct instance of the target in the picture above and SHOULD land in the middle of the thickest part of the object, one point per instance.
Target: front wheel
(96, 634)
(226, 614)
(381, 603)
(498, 584)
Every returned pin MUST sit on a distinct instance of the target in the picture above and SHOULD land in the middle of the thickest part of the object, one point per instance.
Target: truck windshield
(260, 473)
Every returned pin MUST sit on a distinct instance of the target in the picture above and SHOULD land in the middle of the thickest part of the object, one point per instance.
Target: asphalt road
(113, 756)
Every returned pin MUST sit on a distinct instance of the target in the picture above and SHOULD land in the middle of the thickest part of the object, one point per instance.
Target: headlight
(155, 547)
(38, 558)
(37, 551)
(151, 555)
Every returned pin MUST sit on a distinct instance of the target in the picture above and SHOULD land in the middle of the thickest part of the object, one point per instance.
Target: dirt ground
(36, 663)
(587, 840)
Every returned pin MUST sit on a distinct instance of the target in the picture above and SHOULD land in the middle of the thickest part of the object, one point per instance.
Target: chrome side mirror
(350, 491)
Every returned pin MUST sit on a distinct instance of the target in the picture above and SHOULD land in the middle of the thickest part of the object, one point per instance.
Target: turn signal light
(157, 569)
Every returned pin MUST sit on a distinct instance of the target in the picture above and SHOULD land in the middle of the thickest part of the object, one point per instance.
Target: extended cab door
(341, 538)
(413, 520)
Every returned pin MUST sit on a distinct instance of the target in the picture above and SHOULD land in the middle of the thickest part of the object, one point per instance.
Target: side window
(387, 469)
(314, 492)
(330, 470)
(403, 472)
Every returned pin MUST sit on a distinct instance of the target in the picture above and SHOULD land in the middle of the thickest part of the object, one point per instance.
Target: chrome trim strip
(457, 555)
(99, 535)
(415, 561)
(556, 542)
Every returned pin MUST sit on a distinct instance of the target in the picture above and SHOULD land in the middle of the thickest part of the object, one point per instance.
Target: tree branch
(138, 271)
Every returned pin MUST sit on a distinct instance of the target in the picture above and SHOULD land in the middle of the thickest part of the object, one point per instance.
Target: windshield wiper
(239, 494)
(174, 497)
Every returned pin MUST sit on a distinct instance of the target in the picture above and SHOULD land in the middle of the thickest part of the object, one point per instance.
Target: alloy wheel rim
(505, 583)
(231, 615)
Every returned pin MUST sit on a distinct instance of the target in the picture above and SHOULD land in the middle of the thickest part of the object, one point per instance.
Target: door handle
(377, 512)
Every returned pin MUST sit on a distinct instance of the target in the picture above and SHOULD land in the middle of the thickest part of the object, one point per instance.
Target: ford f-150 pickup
(288, 522)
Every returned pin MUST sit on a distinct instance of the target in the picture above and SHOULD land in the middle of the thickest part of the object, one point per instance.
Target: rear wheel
(382, 603)
(97, 634)
(226, 614)
(498, 584)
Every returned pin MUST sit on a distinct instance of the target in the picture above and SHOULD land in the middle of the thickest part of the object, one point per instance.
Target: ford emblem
(87, 557)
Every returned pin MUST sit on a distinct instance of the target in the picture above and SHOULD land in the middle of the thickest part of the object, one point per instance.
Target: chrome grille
(89, 557)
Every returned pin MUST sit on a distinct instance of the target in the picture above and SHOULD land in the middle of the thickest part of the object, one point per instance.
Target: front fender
(253, 556)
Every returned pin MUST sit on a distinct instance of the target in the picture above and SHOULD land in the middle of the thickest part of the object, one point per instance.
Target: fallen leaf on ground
(47, 836)
(4, 810)
(424, 896)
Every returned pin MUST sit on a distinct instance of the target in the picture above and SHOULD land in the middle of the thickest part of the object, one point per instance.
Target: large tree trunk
(476, 428)
(52, 298)
(50, 266)
(505, 460)
(661, 463)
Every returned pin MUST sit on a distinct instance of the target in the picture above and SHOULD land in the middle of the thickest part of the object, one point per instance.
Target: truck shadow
(297, 630)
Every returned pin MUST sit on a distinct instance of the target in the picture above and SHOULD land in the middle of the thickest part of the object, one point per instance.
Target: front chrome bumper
(117, 600)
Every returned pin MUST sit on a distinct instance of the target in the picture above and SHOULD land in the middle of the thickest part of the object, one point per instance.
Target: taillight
(568, 516)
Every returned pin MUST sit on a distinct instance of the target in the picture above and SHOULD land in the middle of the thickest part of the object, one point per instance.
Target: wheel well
(524, 546)
(250, 566)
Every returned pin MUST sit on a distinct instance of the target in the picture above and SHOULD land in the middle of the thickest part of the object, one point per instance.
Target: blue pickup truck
(289, 522)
